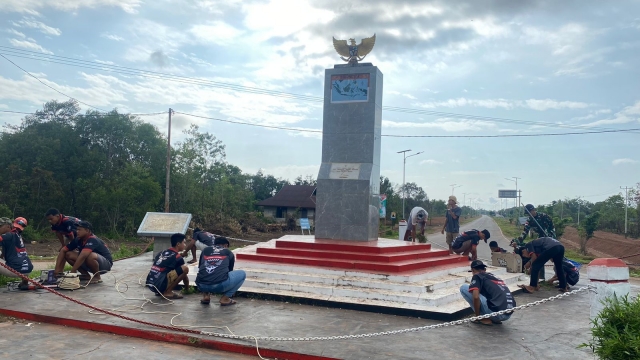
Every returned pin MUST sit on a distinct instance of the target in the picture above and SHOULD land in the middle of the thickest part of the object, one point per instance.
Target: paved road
(485, 222)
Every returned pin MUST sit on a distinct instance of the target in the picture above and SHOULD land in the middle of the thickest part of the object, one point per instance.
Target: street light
(404, 165)
(626, 206)
(518, 199)
(453, 187)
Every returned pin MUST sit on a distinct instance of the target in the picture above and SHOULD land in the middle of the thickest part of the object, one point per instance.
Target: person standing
(216, 274)
(540, 223)
(417, 218)
(487, 294)
(452, 221)
(14, 251)
(540, 251)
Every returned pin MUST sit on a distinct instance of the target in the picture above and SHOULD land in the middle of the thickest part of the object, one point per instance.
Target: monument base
(160, 244)
(387, 273)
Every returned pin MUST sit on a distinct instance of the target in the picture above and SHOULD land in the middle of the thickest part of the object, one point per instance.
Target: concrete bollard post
(402, 228)
(608, 277)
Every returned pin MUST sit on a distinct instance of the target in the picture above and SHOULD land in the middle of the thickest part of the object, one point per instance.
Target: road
(485, 222)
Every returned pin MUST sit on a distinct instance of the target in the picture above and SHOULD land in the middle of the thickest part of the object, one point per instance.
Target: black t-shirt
(470, 235)
(214, 266)
(571, 272)
(495, 290)
(538, 246)
(163, 263)
(67, 226)
(15, 253)
(204, 237)
(92, 243)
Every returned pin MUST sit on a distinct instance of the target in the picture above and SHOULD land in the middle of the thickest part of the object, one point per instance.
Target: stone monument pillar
(347, 197)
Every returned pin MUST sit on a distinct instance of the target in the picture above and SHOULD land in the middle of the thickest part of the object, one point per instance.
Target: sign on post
(161, 226)
(507, 194)
(383, 206)
(304, 225)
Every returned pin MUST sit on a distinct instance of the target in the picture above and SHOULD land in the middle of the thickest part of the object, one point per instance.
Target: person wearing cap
(168, 270)
(216, 274)
(487, 294)
(63, 226)
(417, 218)
(452, 221)
(468, 241)
(540, 251)
(540, 223)
(93, 255)
(493, 245)
(200, 240)
(13, 250)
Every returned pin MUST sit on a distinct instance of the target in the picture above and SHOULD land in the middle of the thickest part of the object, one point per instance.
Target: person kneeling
(571, 272)
(93, 256)
(169, 269)
(216, 274)
(13, 250)
(487, 294)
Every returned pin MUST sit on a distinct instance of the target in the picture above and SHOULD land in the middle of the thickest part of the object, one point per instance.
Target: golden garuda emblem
(352, 53)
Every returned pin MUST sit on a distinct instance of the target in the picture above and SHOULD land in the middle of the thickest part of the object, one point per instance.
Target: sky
(455, 68)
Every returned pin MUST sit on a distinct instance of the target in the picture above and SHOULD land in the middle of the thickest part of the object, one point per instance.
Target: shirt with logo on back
(538, 246)
(453, 225)
(163, 263)
(495, 290)
(571, 272)
(469, 235)
(15, 253)
(204, 237)
(67, 226)
(214, 266)
(92, 244)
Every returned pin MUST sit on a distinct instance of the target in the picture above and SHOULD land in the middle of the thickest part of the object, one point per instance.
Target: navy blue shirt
(495, 290)
(453, 225)
(214, 266)
(163, 263)
(92, 244)
(15, 253)
(67, 226)
(470, 235)
(538, 246)
(204, 237)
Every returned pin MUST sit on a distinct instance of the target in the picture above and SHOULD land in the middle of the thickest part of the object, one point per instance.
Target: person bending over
(467, 242)
(570, 271)
(216, 274)
(200, 240)
(65, 227)
(540, 251)
(487, 294)
(13, 250)
(493, 245)
(169, 269)
(93, 255)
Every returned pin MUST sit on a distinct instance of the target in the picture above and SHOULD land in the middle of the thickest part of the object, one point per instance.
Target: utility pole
(453, 187)
(626, 206)
(404, 165)
(578, 210)
(517, 200)
(464, 199)
(166, 189)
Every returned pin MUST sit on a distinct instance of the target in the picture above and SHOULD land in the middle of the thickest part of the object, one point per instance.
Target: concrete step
(345, 255)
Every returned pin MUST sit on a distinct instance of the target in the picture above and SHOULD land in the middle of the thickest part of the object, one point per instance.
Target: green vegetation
(577, 256)
(509, 229)
(125, 251)
(615, 330)
(634, 272)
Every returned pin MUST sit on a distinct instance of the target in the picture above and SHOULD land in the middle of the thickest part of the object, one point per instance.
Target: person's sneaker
(26, 287)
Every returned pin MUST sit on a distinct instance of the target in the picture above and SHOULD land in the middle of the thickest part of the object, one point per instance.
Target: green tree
(587, 229)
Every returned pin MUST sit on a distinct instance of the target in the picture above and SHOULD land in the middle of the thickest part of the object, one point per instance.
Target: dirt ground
(49, 247)
(605, 244)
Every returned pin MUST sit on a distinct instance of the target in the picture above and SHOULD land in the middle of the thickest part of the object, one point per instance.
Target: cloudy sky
(454, 68)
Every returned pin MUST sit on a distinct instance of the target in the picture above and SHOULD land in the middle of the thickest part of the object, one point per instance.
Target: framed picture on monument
(349, 88)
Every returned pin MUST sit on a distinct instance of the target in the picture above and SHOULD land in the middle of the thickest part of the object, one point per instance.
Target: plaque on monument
(349, 88)
(161, 226)
(344, 171)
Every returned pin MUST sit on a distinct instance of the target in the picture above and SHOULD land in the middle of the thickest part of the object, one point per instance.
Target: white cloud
(29, 44)
(29, 22)
(16, 33)
(624, 161)
(29, 6)
(472, 173)
(112, 37)
(291, 172)
(624, 116)
(105, 62)
(592, 114)
(216, 32)
(533, 104)
(430, 162)
(446, 124)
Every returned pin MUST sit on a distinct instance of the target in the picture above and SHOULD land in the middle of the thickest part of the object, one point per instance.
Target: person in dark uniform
(14, 252)
(540, 251)
(487, 294)
(216, 274)
(540, 223)
(200, 240)
(571, 272)
(93, 255)
(169, 269)
(65, 227)
(468, 241)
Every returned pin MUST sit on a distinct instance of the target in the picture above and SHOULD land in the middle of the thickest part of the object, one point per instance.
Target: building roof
(296, 196)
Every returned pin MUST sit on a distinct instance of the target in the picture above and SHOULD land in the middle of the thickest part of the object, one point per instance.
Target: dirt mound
(606, 244)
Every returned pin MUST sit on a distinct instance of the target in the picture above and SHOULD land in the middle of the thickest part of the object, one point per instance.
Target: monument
(161, 226)
(347, 198)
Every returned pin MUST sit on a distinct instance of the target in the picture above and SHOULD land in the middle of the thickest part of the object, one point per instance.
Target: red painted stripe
(162, 336)
(610, 281)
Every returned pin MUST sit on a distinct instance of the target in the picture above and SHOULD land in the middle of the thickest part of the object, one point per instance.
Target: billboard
(383, 206)
(508, 194)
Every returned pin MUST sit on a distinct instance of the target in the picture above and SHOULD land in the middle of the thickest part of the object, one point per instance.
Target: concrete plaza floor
(548, 331)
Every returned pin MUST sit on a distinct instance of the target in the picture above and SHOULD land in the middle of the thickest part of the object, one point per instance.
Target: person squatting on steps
(468, 241)
(14, 253)
(168, 270)
(487, 294)
(216, 274)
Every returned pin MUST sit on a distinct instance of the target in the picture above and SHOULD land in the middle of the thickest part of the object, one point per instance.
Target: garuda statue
(352, 53)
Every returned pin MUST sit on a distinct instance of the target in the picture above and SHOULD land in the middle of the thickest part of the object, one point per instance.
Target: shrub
(616, 330)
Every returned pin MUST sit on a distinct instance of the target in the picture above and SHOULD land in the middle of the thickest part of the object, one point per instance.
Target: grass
(634, 273)
(124, 252)
(574, 255)
(510, 231)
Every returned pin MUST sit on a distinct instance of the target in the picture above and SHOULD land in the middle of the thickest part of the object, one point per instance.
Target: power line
(50, 87)
(88, 115)
(26, 54)
(411, 136)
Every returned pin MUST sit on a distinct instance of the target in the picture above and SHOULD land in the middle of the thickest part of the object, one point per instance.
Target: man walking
(540, 251)
(540, 223)
(417, 218)
(452, 221)
(487, 294)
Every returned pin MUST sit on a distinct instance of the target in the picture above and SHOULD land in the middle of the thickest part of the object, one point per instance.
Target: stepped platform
(387, 274)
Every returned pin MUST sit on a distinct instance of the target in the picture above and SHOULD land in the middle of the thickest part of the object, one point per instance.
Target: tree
(587, 229)
(308, 180)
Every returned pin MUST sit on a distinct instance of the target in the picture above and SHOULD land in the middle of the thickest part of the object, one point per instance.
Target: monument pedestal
(161, 226)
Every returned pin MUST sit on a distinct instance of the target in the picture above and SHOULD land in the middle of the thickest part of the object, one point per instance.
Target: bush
(616, 330)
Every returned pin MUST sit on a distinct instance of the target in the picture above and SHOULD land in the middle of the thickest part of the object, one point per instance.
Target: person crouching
(169, 269)
(93, 255)
(216, 274)
(487, 294)
(13, 250)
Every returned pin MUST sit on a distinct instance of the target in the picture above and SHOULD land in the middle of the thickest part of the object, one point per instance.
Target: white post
(608, 277)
